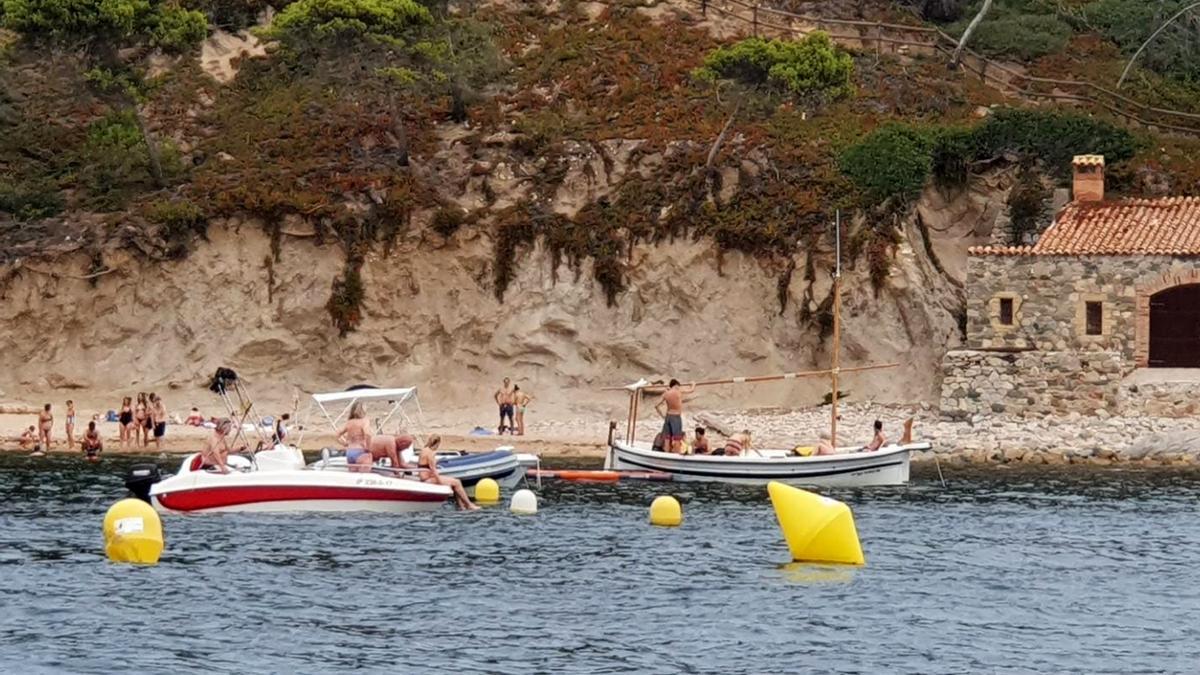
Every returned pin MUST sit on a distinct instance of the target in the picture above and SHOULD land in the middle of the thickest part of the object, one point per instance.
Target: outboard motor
(140, 478)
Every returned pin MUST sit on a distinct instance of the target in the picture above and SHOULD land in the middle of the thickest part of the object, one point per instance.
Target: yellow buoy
(817, 529)
(133, 533)
(665, 512)
(487, 491)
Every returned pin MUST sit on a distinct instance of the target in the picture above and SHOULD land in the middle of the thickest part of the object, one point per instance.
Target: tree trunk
(962, 42)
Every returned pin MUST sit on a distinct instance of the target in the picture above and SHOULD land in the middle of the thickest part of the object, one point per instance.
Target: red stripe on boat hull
(198, 499)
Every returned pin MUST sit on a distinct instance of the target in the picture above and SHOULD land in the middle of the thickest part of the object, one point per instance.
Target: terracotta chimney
(1089, 178)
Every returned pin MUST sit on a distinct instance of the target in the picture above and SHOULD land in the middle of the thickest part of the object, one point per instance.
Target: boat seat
(197, 463)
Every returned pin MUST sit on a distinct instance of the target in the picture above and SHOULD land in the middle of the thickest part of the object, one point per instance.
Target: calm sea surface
(1003, 571)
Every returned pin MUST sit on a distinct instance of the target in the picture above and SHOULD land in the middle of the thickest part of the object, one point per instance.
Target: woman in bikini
(70, 425)
(427, 462)
(216, 451)
(125, 419)
(141, 417)
(45, 427)
(355, 436)
(522, 400)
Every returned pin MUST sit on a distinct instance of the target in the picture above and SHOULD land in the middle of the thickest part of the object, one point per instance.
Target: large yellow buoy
(665, 512)
(133, 533)
(487, 491)
(817, 529)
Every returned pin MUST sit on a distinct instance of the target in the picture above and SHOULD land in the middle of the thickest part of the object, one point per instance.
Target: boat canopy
(400, 395)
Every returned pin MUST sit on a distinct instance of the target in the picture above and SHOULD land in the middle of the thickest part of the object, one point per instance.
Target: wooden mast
(837, 336)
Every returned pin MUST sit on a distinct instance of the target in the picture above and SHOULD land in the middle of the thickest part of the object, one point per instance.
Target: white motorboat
(277, 480)
(504, 465)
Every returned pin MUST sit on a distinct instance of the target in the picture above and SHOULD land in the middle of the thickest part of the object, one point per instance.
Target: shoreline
(982, 440)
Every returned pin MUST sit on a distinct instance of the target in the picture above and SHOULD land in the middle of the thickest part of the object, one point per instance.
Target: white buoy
(524, 502)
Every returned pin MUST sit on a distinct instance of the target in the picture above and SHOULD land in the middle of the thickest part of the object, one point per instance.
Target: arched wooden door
(1175, 327)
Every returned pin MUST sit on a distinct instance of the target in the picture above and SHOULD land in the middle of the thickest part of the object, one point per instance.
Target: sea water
(1002, 571)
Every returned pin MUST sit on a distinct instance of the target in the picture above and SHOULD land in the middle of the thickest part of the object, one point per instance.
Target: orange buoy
(591, 476)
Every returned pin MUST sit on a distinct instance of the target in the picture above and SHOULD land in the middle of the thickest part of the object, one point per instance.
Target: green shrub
(811, 67)
(307, 20)
(892, 161)
(1051, 137)
(1127, 23)
(234, 15)
(1020, 36)
(1026, 203)
(30, 200)
(447, 221)
(176, 29)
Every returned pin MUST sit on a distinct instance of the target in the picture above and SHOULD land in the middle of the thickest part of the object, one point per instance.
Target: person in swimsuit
(194, 418)
(505, 397)
(386, 446)
(125, 419)
(91, 443)
(737, 444)
(45, 427)
(29, 438)
(427, 462)
(141, 419)
(158, 419)
(355, 436)
(877, 441)
(70, 425)
(700, 445)
(281, 429)
(670, 406)
(522, 401)
(216, 449)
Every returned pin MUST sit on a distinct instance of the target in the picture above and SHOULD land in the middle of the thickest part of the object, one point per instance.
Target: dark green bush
(447, 221)
(1020, 36)
(234, 15)
(1051, 137)
(30, 200)
(305, 21)
(1127, 23)
(180, 221)
(1026, 203)
(811, 67)
(892, 161)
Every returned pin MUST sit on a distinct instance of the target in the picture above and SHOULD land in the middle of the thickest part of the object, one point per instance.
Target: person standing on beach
(505, 397)
(158, 417)
(522, 400)
(125, 420)
(670, 406)
(141, 418)
(45, 427)
(70, 425)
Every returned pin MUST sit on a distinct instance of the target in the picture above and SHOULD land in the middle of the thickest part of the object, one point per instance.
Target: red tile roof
(1169, 226)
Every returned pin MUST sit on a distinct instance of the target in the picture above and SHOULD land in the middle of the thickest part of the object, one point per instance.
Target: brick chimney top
(1088, 185)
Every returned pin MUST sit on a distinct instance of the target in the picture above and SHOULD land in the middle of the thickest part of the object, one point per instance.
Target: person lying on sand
(194, 419)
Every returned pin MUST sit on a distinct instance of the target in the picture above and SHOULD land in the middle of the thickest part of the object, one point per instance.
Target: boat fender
(487, 491)
(524, 502)
(817, 529)
(133, 533)
(665, 511)
(140, 478)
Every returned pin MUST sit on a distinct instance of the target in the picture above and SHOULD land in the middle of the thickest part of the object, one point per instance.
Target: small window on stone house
(1094, 315)
(1006, 311)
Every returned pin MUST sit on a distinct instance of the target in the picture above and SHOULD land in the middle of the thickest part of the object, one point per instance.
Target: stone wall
(1045, 362)
(1042, 383)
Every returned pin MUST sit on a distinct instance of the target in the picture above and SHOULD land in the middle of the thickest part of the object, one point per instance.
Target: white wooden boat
(886, 466)
(846, 467)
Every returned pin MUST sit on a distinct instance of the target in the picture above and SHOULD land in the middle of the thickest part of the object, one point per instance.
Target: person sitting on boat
(427, 462)
(216, 449)
(670, 406)
(281, 431)
(657, 444)
(355, 435)
(824, 447)
(384, 445)
(91, 443)
(700, 444)
(877, 441)
(736, 445)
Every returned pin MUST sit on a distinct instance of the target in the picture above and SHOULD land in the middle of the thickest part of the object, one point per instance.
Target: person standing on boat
(506, 397)
(672, 402)
(427, 462)
(522, 400)
(356, 437)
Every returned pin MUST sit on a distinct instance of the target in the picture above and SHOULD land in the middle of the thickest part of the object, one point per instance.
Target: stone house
(1100, 316)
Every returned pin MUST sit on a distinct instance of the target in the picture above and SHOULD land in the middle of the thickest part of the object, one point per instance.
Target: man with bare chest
(670, 406)
(506, 398)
